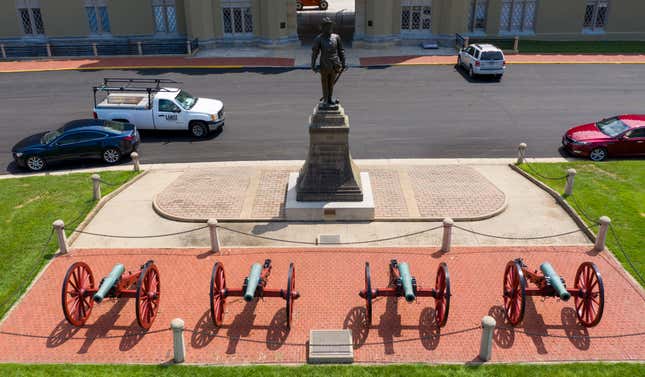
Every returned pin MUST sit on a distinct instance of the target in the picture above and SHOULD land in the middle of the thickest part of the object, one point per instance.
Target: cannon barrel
(406, 281)
(555, 281)
(109, 282)
(252, 282)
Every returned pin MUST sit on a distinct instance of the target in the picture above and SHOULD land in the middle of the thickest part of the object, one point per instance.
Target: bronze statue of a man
(332, 60)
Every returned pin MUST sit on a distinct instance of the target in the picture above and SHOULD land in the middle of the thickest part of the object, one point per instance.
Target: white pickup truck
(156, 107)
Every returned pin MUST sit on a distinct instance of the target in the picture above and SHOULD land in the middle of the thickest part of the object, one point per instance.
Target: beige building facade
(274, 23)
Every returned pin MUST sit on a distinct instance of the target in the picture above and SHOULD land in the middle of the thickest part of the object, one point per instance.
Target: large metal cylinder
(406, 281)
(252, 282)
(555, 281)
(109, 282)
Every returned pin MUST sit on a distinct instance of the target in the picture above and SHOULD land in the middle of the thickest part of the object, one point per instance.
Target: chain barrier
(112, 184)
(126, 335)
(534, 171)
(146, 236)
(522, 238)
(629, 261)
(529, 333)
(580, 209)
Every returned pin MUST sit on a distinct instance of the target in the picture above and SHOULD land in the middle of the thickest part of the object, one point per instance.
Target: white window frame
(597, 4)
(475, 5)
(513, 5)
(100, 22)
(421, 30)
(165, 5)
(30, 5)
(245, 9)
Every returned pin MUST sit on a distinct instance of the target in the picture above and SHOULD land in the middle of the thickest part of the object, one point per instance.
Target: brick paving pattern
(271, 195)
(388, 196)
(329, 280)
(454, 191)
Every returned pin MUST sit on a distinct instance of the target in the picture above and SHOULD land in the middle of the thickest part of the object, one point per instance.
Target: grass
(560, 370)
(27, 210)
(613, 188)
(590, 47)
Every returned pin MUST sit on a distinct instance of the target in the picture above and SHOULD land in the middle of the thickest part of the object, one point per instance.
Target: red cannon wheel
(218, 297)
(590, 300)
(148, 293)
(368, 293)
(514, 292)
(442, 297)
(290, 297)
(77, 301)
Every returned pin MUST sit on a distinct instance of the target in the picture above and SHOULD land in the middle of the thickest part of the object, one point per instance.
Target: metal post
(601, 237)
(189, 48)
(568, 189)
(59, 229)
(179, 348)
(486, 346)
(215, 244)
(466, 42)
(521, 151)
(95, 50)
(447, 234)
(4, 52)
(135, 159)
(96, 183)
(516, 43)
(139, 48)
(49, 49)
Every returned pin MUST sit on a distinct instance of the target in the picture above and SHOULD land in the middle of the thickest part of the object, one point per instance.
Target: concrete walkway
(530, 212)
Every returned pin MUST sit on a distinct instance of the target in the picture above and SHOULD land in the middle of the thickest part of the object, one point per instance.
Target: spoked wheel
(514, 292)
(590, 300)
(323, 5)
(148, 292)
(298, 5)
(218, 295)
(368, 293)
(442, 298)
(78, 288)
(291, 290)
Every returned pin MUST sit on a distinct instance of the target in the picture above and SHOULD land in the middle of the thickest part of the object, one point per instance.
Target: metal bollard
(95, 50)
(59, 228)
(139, 48)
(49, 49)
(96, 183)
(568, 189)
(447, 234)
(516, 43)
(189, 48)
(135, 159)
(3, 51)
(601, 238)
(486, 346)
(521, 151)
(215, 244)
(179, 348)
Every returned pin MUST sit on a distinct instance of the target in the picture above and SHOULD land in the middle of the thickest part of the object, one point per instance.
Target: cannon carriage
(588, 290)
(255, 285)
(403, 284)
(79, 292)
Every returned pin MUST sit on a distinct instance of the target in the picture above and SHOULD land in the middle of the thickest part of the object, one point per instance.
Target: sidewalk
(246, 57)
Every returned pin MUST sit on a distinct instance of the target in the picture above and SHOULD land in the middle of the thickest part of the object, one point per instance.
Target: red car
(622, 135)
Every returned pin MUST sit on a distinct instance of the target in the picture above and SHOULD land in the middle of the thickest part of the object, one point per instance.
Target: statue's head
(327, 25)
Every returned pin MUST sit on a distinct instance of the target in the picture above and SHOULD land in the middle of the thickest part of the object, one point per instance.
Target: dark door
(633, 144)
(85, 144)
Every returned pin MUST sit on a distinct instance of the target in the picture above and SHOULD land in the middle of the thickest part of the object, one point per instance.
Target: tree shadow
(61, 334)
(429, 330)
(133, 335)
(204, 331)
(102, 326)
(241, 326)
(504, 337)
(278, 331)
(269, 227)
(578, 335)
(356, 322)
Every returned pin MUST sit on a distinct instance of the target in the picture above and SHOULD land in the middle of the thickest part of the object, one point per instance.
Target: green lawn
(613, 188)
(27, 210)
(561, 370)
(592, 47)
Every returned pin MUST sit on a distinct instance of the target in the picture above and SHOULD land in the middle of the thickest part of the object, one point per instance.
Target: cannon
(79, 291)
(588, 290)
(403, 284)
(254, 286)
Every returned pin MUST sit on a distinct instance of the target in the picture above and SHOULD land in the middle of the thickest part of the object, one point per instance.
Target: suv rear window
(492, 55)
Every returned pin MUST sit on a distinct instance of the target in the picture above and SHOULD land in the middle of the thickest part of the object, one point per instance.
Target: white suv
(482, 59)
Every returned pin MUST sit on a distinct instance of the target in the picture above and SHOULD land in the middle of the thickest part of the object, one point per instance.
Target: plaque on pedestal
(329, 173)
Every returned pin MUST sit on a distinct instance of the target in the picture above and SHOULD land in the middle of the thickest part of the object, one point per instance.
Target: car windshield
(612, 127)
(50, 136)
(492, 55)
(186, 100)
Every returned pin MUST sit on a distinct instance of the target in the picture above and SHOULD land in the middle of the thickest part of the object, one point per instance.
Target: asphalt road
(397, 112)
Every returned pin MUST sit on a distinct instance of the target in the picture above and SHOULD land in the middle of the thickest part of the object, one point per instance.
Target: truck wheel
(111, 155)
(198, 129)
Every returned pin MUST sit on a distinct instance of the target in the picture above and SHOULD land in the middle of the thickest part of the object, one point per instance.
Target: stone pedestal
(329, 173)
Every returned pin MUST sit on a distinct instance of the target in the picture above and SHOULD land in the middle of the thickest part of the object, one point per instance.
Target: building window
(165, 16)
(517, 16)
(237, 17)
(97, 16)
(596, 15)
(477, 17)
(416, 16)
(30, 17)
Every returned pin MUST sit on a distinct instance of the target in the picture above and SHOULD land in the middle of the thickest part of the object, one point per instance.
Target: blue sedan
(79, 139)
